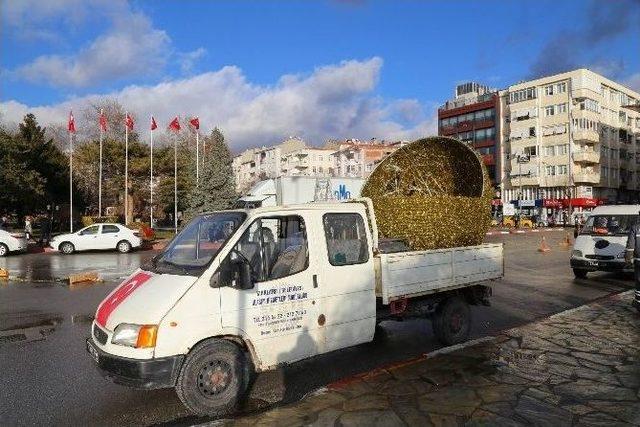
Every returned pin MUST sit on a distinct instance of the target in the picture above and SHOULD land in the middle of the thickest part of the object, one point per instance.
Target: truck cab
(246, 290)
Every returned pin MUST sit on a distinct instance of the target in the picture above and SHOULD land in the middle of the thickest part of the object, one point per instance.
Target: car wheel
(4, 250)
(67, 248)
(580, 274)
(123, 246)
(452, 321)
(213, 378)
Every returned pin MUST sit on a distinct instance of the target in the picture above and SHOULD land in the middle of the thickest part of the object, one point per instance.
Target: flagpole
(126, 168)
(197, 159)
(151, 181)
(175, 183)
(71, 182)
(100, 172)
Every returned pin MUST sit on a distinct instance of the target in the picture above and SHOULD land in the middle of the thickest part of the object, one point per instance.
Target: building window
(563, 149)
(550, 151)
(548, 90)
(532, 131)
(550, 170)
(561, 87)
(561, 108)
(530, 151)
(549, 111)
(522, 95)
(562, 169)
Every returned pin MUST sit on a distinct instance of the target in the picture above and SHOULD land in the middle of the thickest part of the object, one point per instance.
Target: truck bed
(416, 273)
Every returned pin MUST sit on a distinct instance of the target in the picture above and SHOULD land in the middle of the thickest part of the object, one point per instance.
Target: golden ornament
(433, 193)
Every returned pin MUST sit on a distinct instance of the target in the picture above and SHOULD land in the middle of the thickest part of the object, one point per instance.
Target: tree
(34, 172)
(216, 189)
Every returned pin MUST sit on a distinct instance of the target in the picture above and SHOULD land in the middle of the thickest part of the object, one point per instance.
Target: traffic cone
(544, 247)
(566, 242)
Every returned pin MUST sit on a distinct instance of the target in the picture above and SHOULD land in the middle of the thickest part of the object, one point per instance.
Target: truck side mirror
(244, 275)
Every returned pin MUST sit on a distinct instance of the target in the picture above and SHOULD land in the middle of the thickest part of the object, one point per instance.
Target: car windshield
(200, 241)
(608, 224)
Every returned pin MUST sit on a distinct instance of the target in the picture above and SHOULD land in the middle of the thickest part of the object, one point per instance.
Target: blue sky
(383, 65)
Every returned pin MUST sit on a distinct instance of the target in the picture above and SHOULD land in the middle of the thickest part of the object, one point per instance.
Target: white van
(245, 290)
(601, 244)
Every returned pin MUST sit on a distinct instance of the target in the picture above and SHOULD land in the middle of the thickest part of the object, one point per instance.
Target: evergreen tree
(217, 189)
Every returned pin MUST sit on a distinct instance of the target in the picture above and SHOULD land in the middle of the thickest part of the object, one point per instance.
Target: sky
(266, 70)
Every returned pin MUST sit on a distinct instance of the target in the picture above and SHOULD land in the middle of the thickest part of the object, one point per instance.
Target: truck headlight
(621, 255)
(137, 336)
(576, 253)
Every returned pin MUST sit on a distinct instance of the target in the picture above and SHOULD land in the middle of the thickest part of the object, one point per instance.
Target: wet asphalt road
(49, 379)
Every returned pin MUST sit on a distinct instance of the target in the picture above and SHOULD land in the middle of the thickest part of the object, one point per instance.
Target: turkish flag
(195, 122)
(120, 294)
(71, 126)
(153, 123)
(128, 121)
(175, 124)
(103, 121)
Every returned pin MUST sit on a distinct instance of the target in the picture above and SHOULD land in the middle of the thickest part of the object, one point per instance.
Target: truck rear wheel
(452, 321)
(212, 379)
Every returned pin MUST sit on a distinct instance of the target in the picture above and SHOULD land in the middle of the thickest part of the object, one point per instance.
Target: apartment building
(255, 164)
(307, 161)
(473, 117)
(569, 139)
(354, 158)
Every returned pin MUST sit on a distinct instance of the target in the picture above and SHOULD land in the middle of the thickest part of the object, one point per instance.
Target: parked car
(98, 237)
(11, 242)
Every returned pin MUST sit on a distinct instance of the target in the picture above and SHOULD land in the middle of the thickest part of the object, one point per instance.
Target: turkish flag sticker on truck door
(126, 289)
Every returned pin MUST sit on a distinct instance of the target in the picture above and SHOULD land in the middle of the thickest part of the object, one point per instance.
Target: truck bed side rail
(417, 273)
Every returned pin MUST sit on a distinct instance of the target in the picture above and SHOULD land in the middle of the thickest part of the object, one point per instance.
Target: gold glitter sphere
(433, 193)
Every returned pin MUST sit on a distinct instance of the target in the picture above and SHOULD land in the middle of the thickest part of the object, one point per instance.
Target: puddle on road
(26, 326)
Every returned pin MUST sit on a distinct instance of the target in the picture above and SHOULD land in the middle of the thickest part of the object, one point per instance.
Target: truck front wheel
(452, 321)
(212, 381)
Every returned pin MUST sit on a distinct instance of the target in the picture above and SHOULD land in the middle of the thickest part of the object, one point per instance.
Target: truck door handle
(315, 280)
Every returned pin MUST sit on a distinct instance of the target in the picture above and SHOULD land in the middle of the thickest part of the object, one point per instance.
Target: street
(47, 377)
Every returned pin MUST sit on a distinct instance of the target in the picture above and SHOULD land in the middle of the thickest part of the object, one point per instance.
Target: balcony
(586, 136)
(586, 157)
(586, 177)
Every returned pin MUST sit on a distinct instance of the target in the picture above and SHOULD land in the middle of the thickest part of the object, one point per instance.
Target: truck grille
(602, 257)
(100, 335)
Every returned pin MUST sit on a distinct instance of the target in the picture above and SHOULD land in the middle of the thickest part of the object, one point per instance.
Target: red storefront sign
(496, 202)
(582, 202)
(552, 203)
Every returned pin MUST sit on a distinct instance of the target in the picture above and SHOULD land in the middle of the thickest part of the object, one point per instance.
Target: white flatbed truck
(247, 290)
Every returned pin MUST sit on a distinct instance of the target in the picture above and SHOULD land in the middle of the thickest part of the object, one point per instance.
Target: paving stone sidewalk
(580, 367)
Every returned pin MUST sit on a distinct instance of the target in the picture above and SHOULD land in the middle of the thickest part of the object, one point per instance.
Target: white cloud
(335, 101)
(187, 60)
(130, 47)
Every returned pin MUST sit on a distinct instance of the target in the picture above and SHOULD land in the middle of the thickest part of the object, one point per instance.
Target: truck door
(279, 314)
(347, 281)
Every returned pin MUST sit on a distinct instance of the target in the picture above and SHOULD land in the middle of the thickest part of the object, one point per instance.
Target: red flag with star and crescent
(154, 125)
(103, 121)
(175, 124)
(195, 122)
(128, 122)
(71, 125)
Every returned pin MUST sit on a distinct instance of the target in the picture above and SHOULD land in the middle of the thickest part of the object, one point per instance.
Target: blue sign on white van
(342, 193)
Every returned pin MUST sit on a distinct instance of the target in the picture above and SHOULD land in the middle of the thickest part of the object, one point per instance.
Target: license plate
(593, 263)
(92, 351)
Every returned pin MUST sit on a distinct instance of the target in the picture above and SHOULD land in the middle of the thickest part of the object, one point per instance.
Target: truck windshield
(609, 224)
(199, 242)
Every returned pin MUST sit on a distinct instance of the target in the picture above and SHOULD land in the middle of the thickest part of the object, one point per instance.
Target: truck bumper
(600, 265)
(146, 374)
